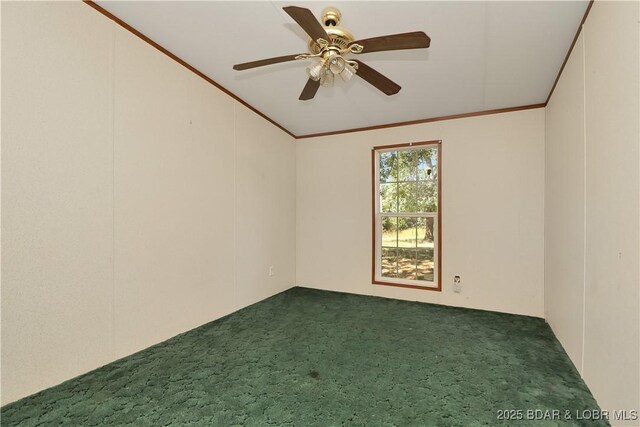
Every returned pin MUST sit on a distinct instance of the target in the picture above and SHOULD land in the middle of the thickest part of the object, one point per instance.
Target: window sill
(437, 288)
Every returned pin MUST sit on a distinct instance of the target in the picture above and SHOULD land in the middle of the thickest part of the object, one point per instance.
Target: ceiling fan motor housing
(338, 36)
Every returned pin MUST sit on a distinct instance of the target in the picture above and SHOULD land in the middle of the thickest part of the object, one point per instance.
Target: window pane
(407, 197)
(426, 196)
(408, 185)
(389, 197)
(427, 160)
(388, 166)
(425, 232)
(389, 262)
(407, 165)
(389, 232)
(407, 232)
(407, 264)
(425, 264)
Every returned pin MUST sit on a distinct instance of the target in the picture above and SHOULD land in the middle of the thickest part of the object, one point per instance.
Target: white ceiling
(483, 55)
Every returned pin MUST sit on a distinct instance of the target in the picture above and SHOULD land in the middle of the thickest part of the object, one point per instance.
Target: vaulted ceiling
(483, 55)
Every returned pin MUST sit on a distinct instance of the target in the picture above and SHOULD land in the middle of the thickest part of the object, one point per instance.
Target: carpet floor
(308, 357)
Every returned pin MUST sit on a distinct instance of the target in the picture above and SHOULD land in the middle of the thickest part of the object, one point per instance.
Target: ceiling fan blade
(309, 90)
(308, 22)
(263, 62)
(414, 40)
(376, 79)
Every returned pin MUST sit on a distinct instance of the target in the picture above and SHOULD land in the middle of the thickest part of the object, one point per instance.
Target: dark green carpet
(307, 357)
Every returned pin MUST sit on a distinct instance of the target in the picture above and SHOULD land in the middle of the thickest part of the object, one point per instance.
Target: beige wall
(564, 207)
(492, 206)
(593, 130)
(57, 182)
(138, 201)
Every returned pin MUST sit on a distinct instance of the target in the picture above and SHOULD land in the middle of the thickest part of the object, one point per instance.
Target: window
(406, 215)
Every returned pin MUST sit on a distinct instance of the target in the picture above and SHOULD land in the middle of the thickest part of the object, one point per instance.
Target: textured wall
(564, 207)
(57, 185)
(593, 201)
(612, 124)
(129, 186)
(492, 207)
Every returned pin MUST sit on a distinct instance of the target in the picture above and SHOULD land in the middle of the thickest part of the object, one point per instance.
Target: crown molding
(428, 120)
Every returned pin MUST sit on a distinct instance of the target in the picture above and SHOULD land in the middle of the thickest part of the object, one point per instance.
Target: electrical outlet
(457, 287)
(272, 270)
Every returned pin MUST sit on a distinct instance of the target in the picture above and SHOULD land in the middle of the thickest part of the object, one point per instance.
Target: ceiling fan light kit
(329, 44)
(314, 70)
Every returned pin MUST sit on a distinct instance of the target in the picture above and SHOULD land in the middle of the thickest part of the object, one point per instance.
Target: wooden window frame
(374, 213)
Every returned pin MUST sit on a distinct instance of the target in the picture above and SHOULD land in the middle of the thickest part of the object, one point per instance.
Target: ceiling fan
(329, 44)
